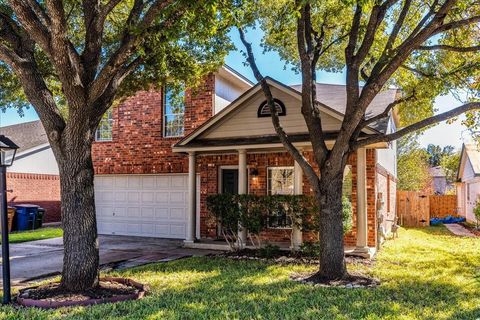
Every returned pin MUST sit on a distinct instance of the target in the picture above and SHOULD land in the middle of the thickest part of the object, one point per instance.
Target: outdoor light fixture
(254, 172)
(8, 149)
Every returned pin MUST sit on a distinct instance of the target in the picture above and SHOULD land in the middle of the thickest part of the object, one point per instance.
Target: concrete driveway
(42, 258)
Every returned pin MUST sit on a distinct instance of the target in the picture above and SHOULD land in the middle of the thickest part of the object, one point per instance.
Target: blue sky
(271, 65)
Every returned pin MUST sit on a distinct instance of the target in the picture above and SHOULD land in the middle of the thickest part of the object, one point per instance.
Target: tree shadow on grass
(216, 288)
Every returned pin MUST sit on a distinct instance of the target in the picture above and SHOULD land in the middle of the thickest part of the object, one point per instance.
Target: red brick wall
(39, 189)
(209, 167)
(138, 145)
(386, 185)
(350, 238)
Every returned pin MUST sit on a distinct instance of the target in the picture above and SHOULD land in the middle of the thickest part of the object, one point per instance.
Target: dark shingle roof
(335, 97)
(437, 171)
(26, 135)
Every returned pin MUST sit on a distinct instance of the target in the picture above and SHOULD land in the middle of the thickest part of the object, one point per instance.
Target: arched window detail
(264, 110)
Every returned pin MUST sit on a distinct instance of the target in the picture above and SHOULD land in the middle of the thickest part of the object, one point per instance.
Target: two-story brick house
(154, 169)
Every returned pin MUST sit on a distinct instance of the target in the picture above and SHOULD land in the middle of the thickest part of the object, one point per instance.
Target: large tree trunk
(81, 259)
(332, 262)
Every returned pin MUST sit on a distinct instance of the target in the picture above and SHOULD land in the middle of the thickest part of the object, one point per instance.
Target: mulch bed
(287, 257)
(54, 296)
(471, 228)
(352, 280)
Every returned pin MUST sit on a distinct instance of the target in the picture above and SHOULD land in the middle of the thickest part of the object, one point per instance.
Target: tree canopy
(412, 165)
(447, 61)
(71, 60)
(129, 45)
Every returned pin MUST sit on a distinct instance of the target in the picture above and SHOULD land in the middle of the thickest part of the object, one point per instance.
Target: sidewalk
(459, 230)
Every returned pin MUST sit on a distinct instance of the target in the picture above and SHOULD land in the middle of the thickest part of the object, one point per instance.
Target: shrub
(476, 212)
(257, 213)
(310, 249)
(269, 251)
(226, 211)
(347, 214)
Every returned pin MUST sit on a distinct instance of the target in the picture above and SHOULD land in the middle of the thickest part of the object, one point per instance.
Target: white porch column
(242, 188)
(192, 198)
(297, 236)
(362, 225)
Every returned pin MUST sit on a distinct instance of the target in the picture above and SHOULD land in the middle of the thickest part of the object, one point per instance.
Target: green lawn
(426, 274)
(39, 234)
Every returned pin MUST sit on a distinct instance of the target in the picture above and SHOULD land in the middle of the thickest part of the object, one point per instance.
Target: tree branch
(94, 18)
(418, 125)
(64, 56)
(450, 48)
(39, 11)
(8, 56)
(103, 103)
(376, 18)
(32, 24)
(306, 167)
(129, 40)
(353, 34)
(398, 26)
(308, 60)
(403, 51)
(387, 110)
(109, 6)
(417, 71)
(456, 24)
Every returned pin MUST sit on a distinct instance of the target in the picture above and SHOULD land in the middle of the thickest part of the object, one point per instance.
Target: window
(264, 109)
(104, 130)
(173, 111)
(347, 182)
(388, 194)
(280, 181)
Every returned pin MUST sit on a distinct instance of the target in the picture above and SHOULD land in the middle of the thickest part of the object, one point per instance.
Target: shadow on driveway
(37, 259)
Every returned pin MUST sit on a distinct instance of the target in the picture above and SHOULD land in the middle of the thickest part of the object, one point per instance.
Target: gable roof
(26, 135)
(437, 171)
(334, 96)
(471, 153)
(227, 69)
(331, 106)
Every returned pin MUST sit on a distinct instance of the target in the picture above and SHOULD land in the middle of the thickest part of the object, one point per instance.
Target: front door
(230, 181)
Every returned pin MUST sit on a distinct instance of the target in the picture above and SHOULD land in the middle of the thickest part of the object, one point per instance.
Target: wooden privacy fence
(443, 206)
(414, 209)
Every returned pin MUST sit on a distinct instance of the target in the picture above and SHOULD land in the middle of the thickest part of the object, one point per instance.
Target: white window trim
(280, 168)
(269, 191)
(165, 115)
(109, 119)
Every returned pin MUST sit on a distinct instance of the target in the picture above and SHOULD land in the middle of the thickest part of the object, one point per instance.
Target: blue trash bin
(26, 215)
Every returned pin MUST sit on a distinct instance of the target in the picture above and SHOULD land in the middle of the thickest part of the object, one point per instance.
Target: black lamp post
(7, 155)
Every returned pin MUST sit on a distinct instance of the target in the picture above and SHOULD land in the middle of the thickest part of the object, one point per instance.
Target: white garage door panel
(143, 205)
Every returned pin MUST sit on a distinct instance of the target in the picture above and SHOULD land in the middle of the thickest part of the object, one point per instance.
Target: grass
(426, 274)
(39, 234)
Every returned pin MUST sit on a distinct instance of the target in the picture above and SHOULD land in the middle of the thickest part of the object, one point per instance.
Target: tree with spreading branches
(412, 165)
(424, 48)
(72, 60)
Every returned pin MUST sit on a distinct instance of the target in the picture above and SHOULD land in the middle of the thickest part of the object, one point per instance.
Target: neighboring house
(33, 177)
(468, 181)
(439, 180)
(150, 183)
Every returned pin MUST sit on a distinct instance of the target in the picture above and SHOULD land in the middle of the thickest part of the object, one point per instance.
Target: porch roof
(240, 123)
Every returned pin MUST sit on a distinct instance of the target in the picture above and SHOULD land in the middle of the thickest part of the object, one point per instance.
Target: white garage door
(143, 205)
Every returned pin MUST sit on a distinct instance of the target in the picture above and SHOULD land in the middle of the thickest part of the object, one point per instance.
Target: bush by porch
(257, 214)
